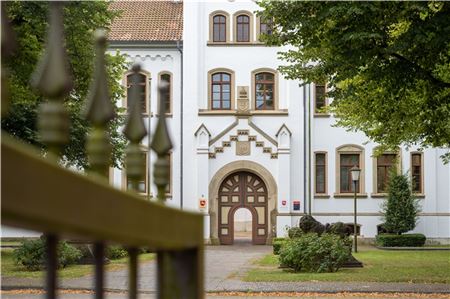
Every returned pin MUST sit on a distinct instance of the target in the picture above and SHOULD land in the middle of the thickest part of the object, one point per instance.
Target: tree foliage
(30, 23)
(387, 63)
(401, 208)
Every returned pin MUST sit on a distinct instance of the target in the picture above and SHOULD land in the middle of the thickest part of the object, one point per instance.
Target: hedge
(313, 253)
(406, 240)
(277, 244)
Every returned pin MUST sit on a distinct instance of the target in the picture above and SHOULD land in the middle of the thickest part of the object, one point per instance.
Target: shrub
(114, 252)
(314, 253)
(401, 208)
(406, 240)
(277, 244)
(295, 232)
(32, 254)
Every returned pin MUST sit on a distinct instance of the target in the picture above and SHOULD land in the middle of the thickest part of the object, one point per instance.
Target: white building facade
(246, 137)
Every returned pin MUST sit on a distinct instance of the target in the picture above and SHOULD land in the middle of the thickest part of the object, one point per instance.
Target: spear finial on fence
(53, 80)
(99, 111)
(135, 131)
(162, 145)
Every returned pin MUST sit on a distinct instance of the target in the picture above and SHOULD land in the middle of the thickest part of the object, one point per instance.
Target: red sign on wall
(202, 203)
(283, 202)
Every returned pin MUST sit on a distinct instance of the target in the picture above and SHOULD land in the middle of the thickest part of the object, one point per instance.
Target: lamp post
(355, 171)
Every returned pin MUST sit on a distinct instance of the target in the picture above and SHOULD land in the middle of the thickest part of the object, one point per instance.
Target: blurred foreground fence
(39, 194)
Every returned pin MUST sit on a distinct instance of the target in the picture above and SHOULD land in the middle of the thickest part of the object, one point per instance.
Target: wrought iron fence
(39, 194)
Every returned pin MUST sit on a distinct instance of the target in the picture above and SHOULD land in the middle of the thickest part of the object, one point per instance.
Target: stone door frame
(222, 174)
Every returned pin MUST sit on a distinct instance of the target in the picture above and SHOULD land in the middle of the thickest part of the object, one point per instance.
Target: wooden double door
(243, 190)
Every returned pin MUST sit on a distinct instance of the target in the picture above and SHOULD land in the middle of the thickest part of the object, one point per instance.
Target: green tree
(81, 18)
(401, 208)
(387, 63)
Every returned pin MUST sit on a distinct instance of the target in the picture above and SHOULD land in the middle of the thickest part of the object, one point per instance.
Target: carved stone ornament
(242, 148)
(242, 102)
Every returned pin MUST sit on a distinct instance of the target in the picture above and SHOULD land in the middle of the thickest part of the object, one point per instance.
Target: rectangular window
(347, 161)
(142, 182)
(416, 172)
(321, 179)
(385, 163)
(320, 99)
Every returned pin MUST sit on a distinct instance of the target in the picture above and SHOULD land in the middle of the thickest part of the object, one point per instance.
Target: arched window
(221, 91)
(264, 91)
(265, 26)
(219, 28)
(242, 28)
(167, 97)
(142, 90)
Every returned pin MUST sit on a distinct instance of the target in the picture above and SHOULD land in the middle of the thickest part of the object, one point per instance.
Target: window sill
(349, 195)
(234, 44)
(378, 195)
(321, 196)
(269, 112)
(143, 114)
(167, 115)
(419, 195)
(206, 112)
(322, 115)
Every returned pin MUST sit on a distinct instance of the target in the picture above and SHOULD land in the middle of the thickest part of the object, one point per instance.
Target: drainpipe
(149, 153)
(180, 49)
(309, 149)
(304, 147)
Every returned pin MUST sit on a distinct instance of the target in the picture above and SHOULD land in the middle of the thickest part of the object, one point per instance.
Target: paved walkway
(224, 267)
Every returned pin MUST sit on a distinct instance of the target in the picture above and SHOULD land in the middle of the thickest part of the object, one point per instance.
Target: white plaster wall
(435, 219)
(154, 60)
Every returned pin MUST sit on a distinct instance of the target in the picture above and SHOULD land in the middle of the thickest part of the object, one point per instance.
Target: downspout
(309, 149)
(180, 49)
(304, 147)
(149, 153)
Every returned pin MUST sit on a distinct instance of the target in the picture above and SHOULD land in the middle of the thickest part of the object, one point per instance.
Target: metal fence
(39, 194)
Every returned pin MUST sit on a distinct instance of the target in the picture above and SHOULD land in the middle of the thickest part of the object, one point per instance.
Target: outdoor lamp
(355, 171)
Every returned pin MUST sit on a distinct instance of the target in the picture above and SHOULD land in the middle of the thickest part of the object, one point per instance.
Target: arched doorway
(243, 189)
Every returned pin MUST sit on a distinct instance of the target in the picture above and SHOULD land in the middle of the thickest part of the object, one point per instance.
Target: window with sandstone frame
(320, 101)
(417, 172)
(166, 77)
(347, 156)
(219, 28)
(221, 91)
(142, 85)
(143, 181)
(264, 91)
(320, 173)
(243, 28)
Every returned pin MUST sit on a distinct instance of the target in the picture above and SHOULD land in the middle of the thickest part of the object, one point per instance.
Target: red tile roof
(151, 20)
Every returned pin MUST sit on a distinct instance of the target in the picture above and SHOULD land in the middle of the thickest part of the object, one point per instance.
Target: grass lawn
(379, 266)
(9, 268)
